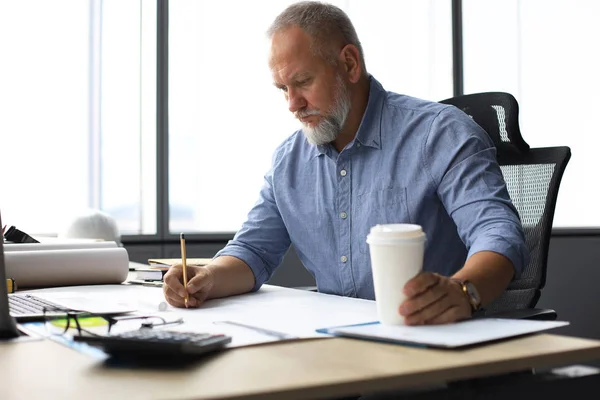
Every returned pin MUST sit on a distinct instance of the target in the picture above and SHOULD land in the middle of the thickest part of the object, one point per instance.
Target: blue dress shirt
(412, 161)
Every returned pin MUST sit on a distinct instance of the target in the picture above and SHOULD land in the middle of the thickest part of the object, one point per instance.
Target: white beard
(330, 126)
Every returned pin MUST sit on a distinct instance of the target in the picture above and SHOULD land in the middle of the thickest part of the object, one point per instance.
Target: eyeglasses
(59, 322)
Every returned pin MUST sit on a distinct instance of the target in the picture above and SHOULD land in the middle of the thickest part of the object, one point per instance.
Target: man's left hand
(433, 299)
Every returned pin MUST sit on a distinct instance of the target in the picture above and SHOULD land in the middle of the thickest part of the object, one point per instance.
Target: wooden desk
(314, 368)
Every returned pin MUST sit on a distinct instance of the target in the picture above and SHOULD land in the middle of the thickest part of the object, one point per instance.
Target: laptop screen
(8, 328)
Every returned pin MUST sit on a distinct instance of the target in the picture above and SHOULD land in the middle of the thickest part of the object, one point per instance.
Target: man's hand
(433, 299)
(200, 283)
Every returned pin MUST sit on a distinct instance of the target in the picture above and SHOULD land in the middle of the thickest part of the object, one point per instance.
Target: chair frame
(512, 149)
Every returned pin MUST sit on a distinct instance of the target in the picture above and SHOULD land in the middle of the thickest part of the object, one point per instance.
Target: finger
(420, 283)
(198, 282)
(173, 280)
(194, 300)
(421, 302)
(198, 298)
(430, 312)
(449, 315)
(173, 298)
(173, 287)
(456, 307)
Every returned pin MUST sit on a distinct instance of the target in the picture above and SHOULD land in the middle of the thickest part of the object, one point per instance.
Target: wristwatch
(471, 293)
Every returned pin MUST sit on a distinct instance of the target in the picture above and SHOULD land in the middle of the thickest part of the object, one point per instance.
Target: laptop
(25, 307)
(8, 327)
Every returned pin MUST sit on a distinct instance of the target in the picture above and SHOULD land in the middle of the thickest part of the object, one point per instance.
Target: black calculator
(157, 342)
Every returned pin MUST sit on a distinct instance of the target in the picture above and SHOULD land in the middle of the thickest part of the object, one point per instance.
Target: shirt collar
(369, 131)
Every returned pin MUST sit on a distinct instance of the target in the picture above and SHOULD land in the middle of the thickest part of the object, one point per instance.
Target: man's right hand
(200, 283)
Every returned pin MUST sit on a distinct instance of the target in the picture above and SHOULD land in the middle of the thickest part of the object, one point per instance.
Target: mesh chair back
(532, 176)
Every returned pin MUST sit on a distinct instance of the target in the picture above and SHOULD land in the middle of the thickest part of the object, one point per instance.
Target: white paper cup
(396, 256)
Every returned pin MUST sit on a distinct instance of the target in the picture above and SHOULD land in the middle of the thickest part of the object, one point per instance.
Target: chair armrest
(309, 288)
(540, 314)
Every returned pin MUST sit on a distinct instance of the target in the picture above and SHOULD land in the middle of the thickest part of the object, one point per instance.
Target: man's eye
(303, 82)
(283, 89)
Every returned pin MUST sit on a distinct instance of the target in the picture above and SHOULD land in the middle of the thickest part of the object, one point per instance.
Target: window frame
(162, 119)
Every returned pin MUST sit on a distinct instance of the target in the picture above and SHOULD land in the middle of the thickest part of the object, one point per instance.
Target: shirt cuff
(256, 264)
(516, 254)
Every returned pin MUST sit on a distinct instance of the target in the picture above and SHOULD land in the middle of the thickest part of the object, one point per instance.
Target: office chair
(533, 177)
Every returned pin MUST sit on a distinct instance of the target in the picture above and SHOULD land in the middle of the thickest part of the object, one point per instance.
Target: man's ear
(350, 61)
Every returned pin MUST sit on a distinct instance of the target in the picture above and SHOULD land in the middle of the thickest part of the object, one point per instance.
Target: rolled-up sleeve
(263, 239)
(461, 162)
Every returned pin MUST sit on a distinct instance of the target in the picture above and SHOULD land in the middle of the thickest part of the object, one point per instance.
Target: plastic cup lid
(397, 231)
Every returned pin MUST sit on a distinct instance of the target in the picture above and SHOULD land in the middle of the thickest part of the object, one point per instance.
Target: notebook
(147, 274)
(165, 263)
(456, 335)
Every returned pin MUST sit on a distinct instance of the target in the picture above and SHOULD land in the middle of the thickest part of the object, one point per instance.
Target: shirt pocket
(382, 206)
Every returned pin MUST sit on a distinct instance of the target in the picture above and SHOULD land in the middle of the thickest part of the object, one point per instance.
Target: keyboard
(149, 342)
(26, 307)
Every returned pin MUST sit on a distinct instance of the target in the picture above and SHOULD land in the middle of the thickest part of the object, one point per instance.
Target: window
(225, 116)
(78, 101)
(540, 51)
(128, 114)
(77, 123)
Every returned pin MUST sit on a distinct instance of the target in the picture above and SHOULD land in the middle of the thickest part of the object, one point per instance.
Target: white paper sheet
(96, 303)
(449, 335)
(293, 312)
(296, 313)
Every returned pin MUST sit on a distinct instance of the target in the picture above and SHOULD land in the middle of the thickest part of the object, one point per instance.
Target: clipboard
(449, 336)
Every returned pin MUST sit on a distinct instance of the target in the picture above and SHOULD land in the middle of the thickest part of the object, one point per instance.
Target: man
(365, 156)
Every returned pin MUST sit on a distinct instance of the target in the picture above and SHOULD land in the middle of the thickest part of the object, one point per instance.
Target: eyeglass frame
(111, 320)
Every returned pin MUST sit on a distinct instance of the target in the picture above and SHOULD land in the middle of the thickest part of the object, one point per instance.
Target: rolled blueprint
(57, 246)
(45, 268)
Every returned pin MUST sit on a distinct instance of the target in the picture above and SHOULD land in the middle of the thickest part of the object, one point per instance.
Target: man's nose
(295, 100)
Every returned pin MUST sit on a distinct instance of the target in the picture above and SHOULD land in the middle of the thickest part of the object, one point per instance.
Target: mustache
(306, 113)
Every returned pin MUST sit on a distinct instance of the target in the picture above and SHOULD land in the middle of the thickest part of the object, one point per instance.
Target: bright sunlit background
(78, 98)
(226, 117)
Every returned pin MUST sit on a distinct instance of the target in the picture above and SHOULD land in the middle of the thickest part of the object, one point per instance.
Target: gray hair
(325, 23)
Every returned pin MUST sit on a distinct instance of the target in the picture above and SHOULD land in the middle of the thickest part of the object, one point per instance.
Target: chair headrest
(497, 113)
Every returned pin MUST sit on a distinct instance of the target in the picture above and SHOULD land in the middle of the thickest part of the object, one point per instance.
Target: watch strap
(475, 303)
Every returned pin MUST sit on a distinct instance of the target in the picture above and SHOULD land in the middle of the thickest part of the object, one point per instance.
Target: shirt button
(343, 172)
(343, 215)
(343, 259)
(357, 144)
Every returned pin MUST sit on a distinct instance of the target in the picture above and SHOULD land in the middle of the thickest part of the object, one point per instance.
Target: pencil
(11, 286)
(184, 268)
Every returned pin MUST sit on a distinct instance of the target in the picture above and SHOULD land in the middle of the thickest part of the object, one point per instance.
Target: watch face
(473, 292)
